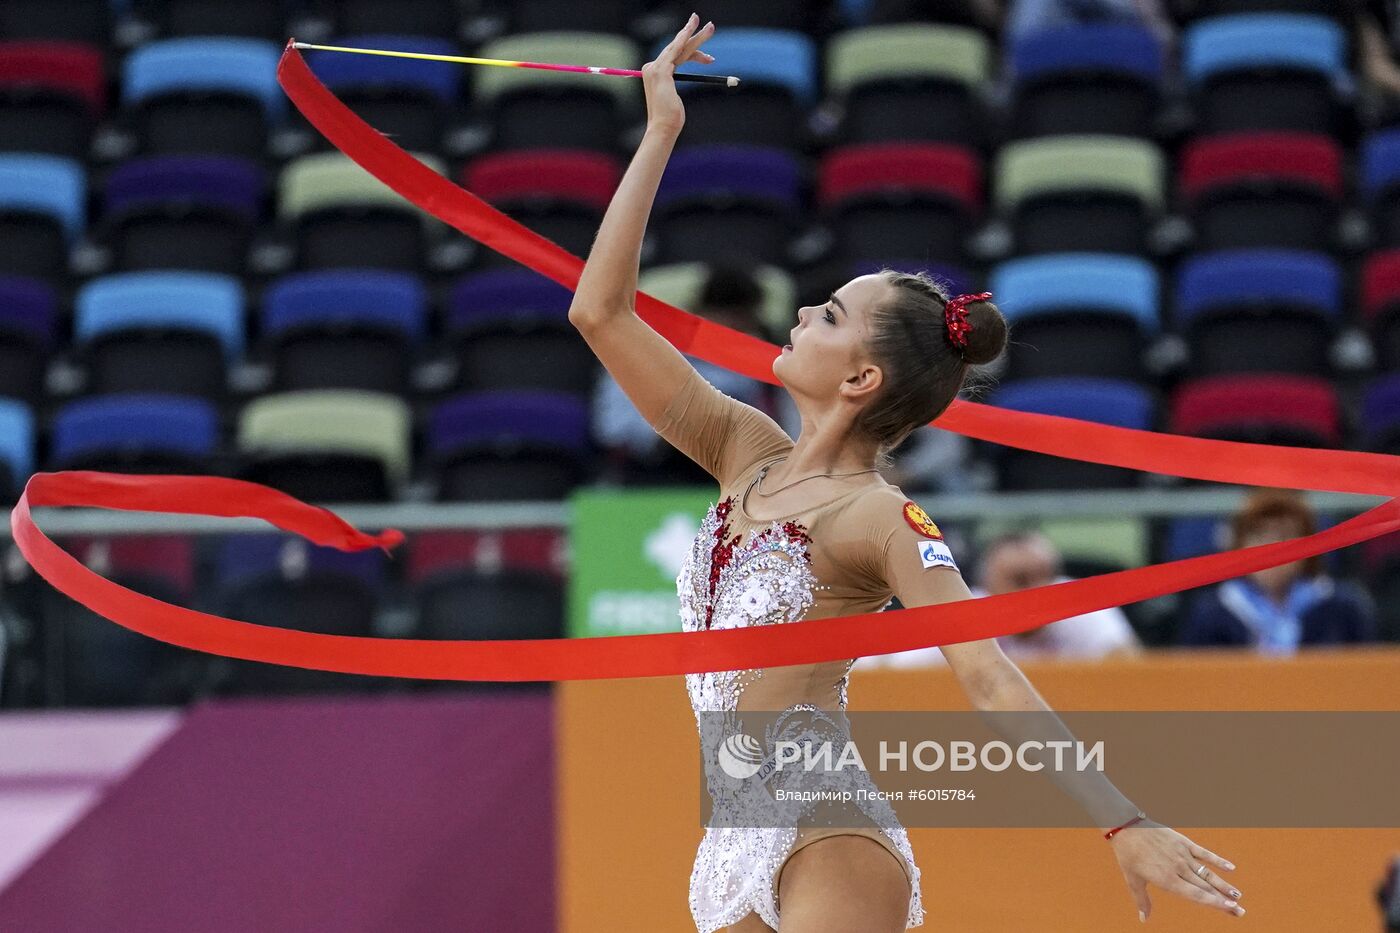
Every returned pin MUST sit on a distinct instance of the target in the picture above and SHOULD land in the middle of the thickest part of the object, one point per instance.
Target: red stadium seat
(1380, 302)
(895, 199)
(1268, 409)
(51, 96)
(1263, 189)
(568, 175)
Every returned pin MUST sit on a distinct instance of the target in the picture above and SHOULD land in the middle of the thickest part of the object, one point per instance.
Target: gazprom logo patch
(936, 554)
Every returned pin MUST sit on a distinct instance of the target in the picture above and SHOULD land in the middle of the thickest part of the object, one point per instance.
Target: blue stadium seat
(174, 332)
(1380, 185)
(42, 213)
(728, 202)
(779, 73)
(1107, 401)
(135, 433)
(1380, 415)
(1266, 71)
(286, 582)
(344, 329)
(1084, 314)
(182, 212)
(408, 99)
(206, 94)
(509, 329)
(16, 447)
(1094, 78)
(28, 330)
(1259, 311)
(505, 446)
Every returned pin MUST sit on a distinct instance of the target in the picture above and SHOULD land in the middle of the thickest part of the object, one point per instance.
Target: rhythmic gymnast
(809, 529)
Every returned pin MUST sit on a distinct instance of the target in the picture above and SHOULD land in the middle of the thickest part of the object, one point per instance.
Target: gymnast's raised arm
(644, 363)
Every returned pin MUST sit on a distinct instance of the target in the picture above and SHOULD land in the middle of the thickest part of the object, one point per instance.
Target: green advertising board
(626, 548)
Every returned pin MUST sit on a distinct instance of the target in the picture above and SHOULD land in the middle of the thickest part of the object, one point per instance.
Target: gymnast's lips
(786, 347)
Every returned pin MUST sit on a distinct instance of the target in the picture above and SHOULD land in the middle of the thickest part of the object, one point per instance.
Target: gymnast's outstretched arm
(645, 365)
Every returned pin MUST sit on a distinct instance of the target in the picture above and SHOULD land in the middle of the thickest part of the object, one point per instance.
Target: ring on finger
(1202, 870)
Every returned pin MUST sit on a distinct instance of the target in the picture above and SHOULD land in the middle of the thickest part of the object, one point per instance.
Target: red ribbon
(673, 653)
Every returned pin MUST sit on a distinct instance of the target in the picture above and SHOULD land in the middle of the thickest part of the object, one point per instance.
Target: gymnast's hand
(665, 113)
(1161, 855)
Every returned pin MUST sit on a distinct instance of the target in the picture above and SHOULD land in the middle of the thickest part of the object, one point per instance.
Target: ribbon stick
(690, 652)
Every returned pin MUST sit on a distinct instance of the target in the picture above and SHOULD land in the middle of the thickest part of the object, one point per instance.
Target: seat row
(868, 202)
(903, 81)
(355, 446)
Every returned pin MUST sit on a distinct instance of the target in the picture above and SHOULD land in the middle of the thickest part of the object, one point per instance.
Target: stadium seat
(51, 96)
(43, 209)
(719, 203)
(167, 332)
(769, 108)
(508, 446)
(28, 331)
(1078, 314)
(1259, 311)
(285, 582)
(1294, 411)
(488, 585)
(248, 19)
(16, 447)
(1380, 415)
(182, 212)
(900, 199)
(1266, 71)
(327, 445)
(1091, 546)
(1086, 79)
(437, 18)
(339, 214)
(530, 109)
(1080, 193)
(344, 329)
(1380, 184)
(87, 21)
(95, 662)
(510, 329)
(135, 433)
(558, 193)
(206, 94)
(1380, 302)
(410, 100)
(1107, 401)
(910, 82)
(1266, 189)
(680, 284)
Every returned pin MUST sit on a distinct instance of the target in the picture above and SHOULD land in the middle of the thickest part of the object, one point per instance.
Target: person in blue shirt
(1280, 609)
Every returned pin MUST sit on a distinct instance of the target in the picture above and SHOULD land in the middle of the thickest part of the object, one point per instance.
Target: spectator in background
(1278, 609)
(731, 296)
(1028, 16)
(1376, 41)
(1020, 561)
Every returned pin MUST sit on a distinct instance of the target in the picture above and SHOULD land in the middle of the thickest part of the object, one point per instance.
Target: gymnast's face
(829, 356)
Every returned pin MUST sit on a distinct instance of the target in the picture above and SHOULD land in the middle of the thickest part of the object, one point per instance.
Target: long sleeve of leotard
(722, 434)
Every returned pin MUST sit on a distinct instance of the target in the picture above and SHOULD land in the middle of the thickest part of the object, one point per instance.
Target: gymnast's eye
(829, 316)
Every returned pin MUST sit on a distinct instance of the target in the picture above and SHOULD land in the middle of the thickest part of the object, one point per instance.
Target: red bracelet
(1137, 819)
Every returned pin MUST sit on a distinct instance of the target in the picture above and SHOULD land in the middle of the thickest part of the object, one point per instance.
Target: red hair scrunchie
(955, 317)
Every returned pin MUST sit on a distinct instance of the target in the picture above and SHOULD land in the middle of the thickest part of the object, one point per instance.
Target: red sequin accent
(721, 552)
(955, 316)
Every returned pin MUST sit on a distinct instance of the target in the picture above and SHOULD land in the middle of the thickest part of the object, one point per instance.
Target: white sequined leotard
(842, 557)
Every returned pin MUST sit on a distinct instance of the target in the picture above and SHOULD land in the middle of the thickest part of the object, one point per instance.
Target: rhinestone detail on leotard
(721, 585)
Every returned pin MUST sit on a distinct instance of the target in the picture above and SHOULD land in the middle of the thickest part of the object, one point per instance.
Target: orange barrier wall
(629, 817)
